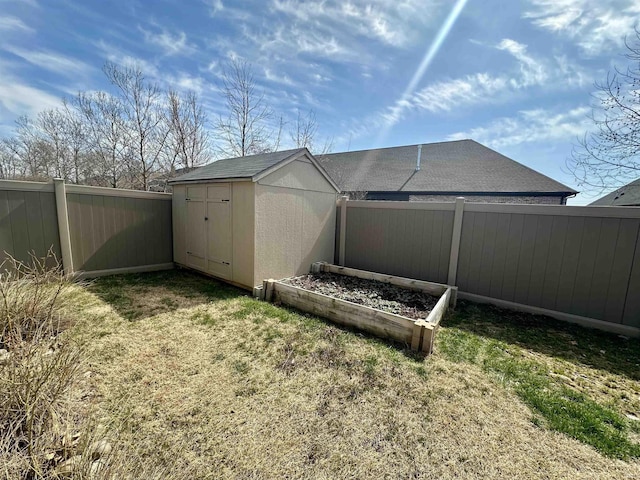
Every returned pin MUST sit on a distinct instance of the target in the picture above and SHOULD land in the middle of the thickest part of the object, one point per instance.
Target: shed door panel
(196, 234)
(219, 247)
(219, 192)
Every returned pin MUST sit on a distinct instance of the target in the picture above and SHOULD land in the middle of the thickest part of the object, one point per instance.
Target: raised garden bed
(402, 309)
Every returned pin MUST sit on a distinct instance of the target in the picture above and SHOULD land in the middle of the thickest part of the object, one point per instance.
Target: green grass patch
(484, 337)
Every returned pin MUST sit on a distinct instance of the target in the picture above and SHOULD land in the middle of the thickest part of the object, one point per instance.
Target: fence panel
(28, 220)
(576, 264)
(582, 263)
(390, 238)
(113, 232)
(110, 230)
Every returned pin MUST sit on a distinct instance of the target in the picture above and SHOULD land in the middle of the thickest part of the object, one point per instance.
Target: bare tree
(75, 137)
(26, 151)
(51, 125)
(146, 127)
(305, 129)
(610, 156)
(10, 164)
(188, 141)
(107, 135)
(245, 130)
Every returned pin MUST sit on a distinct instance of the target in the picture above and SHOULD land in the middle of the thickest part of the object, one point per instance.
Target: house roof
(456, 166)
(629, 195)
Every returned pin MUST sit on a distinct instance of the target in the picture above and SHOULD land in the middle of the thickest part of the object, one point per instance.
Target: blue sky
(515, 75)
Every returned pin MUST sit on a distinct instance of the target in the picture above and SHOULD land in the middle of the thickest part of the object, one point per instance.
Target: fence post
(455, 241)
(63, 225)
(343, 229)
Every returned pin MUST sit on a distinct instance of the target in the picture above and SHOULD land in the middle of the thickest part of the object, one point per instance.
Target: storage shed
(249, 218)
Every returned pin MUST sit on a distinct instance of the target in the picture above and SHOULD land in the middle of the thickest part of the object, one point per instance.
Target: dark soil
(383, 296)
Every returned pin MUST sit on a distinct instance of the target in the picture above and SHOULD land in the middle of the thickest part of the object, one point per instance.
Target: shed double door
(209, 229)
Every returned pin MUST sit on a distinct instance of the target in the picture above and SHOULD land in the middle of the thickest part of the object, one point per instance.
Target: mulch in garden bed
(371, 293)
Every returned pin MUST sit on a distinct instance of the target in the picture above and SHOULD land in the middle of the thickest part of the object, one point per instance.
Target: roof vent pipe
(419, 155)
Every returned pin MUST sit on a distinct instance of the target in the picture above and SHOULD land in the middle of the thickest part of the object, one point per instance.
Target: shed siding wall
(294, 228)
(299, 174)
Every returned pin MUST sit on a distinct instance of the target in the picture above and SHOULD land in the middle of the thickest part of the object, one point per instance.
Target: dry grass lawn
(206, 382)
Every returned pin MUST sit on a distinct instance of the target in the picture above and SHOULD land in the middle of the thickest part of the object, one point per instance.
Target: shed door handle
(206, 218)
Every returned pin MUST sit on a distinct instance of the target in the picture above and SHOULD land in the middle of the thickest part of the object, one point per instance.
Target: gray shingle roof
(457, 166)
(240, 167)
(629, 195)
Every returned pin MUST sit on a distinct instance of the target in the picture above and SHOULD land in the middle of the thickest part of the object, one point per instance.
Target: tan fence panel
(28, 220)
(407, 242)
(580, 265)
(111, 232)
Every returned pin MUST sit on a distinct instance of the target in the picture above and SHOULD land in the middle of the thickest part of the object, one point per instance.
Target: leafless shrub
(46, 428)
(35, 377)
(37, 365)
(31, 298)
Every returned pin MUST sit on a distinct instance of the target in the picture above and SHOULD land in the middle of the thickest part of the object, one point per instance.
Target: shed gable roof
(456, 166)
(238, 167)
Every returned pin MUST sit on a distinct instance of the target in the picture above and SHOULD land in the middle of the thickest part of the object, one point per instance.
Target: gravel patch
(371, 293)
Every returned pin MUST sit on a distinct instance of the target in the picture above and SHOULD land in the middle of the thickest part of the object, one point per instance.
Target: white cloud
(117, 56)
(170, 44)
(186, 82)
(275, 77)
(12, 24)
(479, 88)
(595, 26)
(532, 72)
(331, 30)
(531, 126)
(18, 98)
(385, 21)
(52, 61)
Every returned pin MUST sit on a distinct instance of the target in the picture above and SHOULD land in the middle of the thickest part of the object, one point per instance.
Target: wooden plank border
(432, 288)
(377, 322)
(418, 334)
